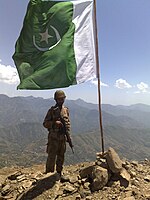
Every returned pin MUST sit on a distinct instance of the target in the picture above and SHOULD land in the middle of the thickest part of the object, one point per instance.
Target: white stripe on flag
(84, 44)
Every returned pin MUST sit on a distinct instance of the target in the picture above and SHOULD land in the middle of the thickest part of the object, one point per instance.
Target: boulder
(100, 178)
(113, 161)
(86, 172)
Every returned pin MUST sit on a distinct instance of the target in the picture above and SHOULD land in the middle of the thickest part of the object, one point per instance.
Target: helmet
(59, 94)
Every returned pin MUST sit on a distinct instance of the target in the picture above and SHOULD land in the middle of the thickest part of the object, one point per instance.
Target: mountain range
(23, 138)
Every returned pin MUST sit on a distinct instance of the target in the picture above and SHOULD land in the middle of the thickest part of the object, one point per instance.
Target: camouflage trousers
(56, 149)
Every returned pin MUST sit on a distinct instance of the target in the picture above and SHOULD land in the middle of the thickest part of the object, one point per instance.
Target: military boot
(58, 176)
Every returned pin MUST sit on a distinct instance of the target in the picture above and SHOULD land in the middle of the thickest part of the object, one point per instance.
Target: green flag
(50, 52)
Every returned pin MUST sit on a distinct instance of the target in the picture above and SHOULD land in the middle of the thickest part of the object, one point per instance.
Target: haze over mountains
(23, 138)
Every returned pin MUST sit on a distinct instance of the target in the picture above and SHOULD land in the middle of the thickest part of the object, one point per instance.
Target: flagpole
(98, 77)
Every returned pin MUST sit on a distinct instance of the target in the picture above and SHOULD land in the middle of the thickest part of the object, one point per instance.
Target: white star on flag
(45, 36)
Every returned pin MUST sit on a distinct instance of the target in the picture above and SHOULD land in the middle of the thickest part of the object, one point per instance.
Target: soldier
(56, 146)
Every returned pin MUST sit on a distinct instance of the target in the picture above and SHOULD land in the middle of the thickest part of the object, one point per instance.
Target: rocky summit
(107, 178)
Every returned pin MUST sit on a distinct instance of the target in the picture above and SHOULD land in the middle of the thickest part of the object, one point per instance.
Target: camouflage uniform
(56, 145)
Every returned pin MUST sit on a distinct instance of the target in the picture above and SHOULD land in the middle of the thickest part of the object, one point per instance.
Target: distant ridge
(23, 138)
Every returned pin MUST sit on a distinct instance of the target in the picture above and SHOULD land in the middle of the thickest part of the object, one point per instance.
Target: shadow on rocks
(39, 187)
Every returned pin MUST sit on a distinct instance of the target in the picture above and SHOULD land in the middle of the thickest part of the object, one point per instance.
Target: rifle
(63, 128)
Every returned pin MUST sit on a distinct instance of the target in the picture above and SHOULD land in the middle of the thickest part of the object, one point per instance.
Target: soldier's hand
(58, 124)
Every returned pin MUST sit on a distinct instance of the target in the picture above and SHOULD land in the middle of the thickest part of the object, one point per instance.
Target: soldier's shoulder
(51, 108)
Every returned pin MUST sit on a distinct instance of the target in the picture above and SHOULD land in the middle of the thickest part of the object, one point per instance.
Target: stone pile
(107, 168)
(108, 177)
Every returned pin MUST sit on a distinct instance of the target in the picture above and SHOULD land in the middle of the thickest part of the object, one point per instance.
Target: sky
(124, 53)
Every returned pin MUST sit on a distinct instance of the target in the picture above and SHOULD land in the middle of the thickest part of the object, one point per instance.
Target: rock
(84, 180)
(128, 193)
(100, 178)
(135, 182)
(133, 174)
(147, 195)
(88, 198)
(126, 166)
(86, 185)
(21, 177)
(101, 154)
(135, 163)
(2, 179)
(124, 182)
(56, 190)
(14, 181)
(73, 179)
(26, 184)
(11, 197)
(135, 191)
(102, 163)
(112, 183)
(64, 179)
(113, 160)
(125, 175)
(20, 189)
(97, 162)
(79, 182)
(147, 178)
(14, 175)
(5, 189)
(129, 198)
(140, 168)
(38, 175)
(86, 172)
(103, 160)
(68, 188)
(78, 197)
(84, 192)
